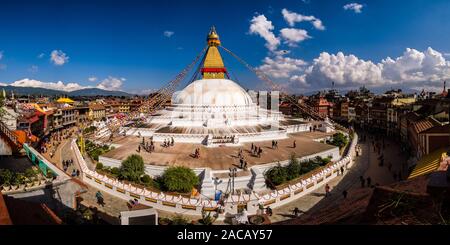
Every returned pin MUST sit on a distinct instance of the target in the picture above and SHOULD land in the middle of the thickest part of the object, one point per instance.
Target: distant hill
(97, 92)
(52, 92)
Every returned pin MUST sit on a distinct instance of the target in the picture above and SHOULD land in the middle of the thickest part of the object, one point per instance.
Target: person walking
(327, 190)
(344, 194)
(296, 211)
(363, 181)
(294, 145)
(369, 180)
(100, 199)
(342, 170)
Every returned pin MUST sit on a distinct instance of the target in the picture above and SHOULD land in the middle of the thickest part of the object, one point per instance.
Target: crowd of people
(148, 147)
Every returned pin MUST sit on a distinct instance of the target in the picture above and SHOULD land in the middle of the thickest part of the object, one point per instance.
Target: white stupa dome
(213, 92)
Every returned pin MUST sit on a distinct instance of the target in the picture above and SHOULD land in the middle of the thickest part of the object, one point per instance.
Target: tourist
(342, 170)
(327, 190)
(269, 211)
(273, 144)
(344, 194)
(296, 211)
(245, 164)
(78, 173)
(252, 147)
(363, 181)
(259, 152)
(241, 163)
(139, 148)
(100, 199)
(295, 144)
(172, 142)
(369, 180)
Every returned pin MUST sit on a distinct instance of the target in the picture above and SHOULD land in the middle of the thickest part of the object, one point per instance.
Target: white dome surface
(213, 92)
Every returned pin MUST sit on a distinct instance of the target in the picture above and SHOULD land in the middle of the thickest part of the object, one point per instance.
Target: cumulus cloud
(293, 36)
(68, 87)
(261, 26)
(356, 7)
(92, 79)
(58, 57)
(111, 83)
(168, 33)
(413, 69)
(292, 18)
(280, 66)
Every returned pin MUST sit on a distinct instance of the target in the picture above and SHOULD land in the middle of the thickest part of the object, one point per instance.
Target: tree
(339, 140)
(276, 175)
(179, 179)
(132, 168)
(294, 168)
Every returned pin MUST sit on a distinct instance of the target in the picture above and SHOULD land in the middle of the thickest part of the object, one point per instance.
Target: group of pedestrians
(256, 151)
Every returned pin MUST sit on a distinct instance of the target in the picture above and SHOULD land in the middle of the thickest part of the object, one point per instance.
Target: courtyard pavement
(221, 157)
(366, 165)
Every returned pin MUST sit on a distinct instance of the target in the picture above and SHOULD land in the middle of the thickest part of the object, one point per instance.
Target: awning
(429, 163)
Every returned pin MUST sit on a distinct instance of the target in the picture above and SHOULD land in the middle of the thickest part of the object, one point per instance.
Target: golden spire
(213, 67)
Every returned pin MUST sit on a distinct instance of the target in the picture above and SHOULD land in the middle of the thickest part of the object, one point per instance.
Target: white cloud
(58, 57)
(41, 55)
(356, 7)
(92, 79)
(292, 18)
(111, 83)
(49, 85)
(33, 69)
(293, 36)
(1, 54)
(168, 33)
(281, 67)
(261, 26)
(413, 69)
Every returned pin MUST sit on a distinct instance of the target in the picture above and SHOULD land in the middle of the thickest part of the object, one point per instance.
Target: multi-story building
(97, 112)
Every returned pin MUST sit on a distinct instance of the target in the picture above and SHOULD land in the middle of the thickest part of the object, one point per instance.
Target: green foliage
(179, 220)
(146, 179)
(207, 218)
(89, 129)
(99, 166)
(49, 174)
(30, 173)
(94, 151)
(115, 171)
(179, 179)
(6, 177)
(277, 175)
(294, 169)
(339, 140)
(132, 168)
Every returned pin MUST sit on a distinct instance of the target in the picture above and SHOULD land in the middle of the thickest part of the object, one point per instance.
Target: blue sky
(122, 43)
